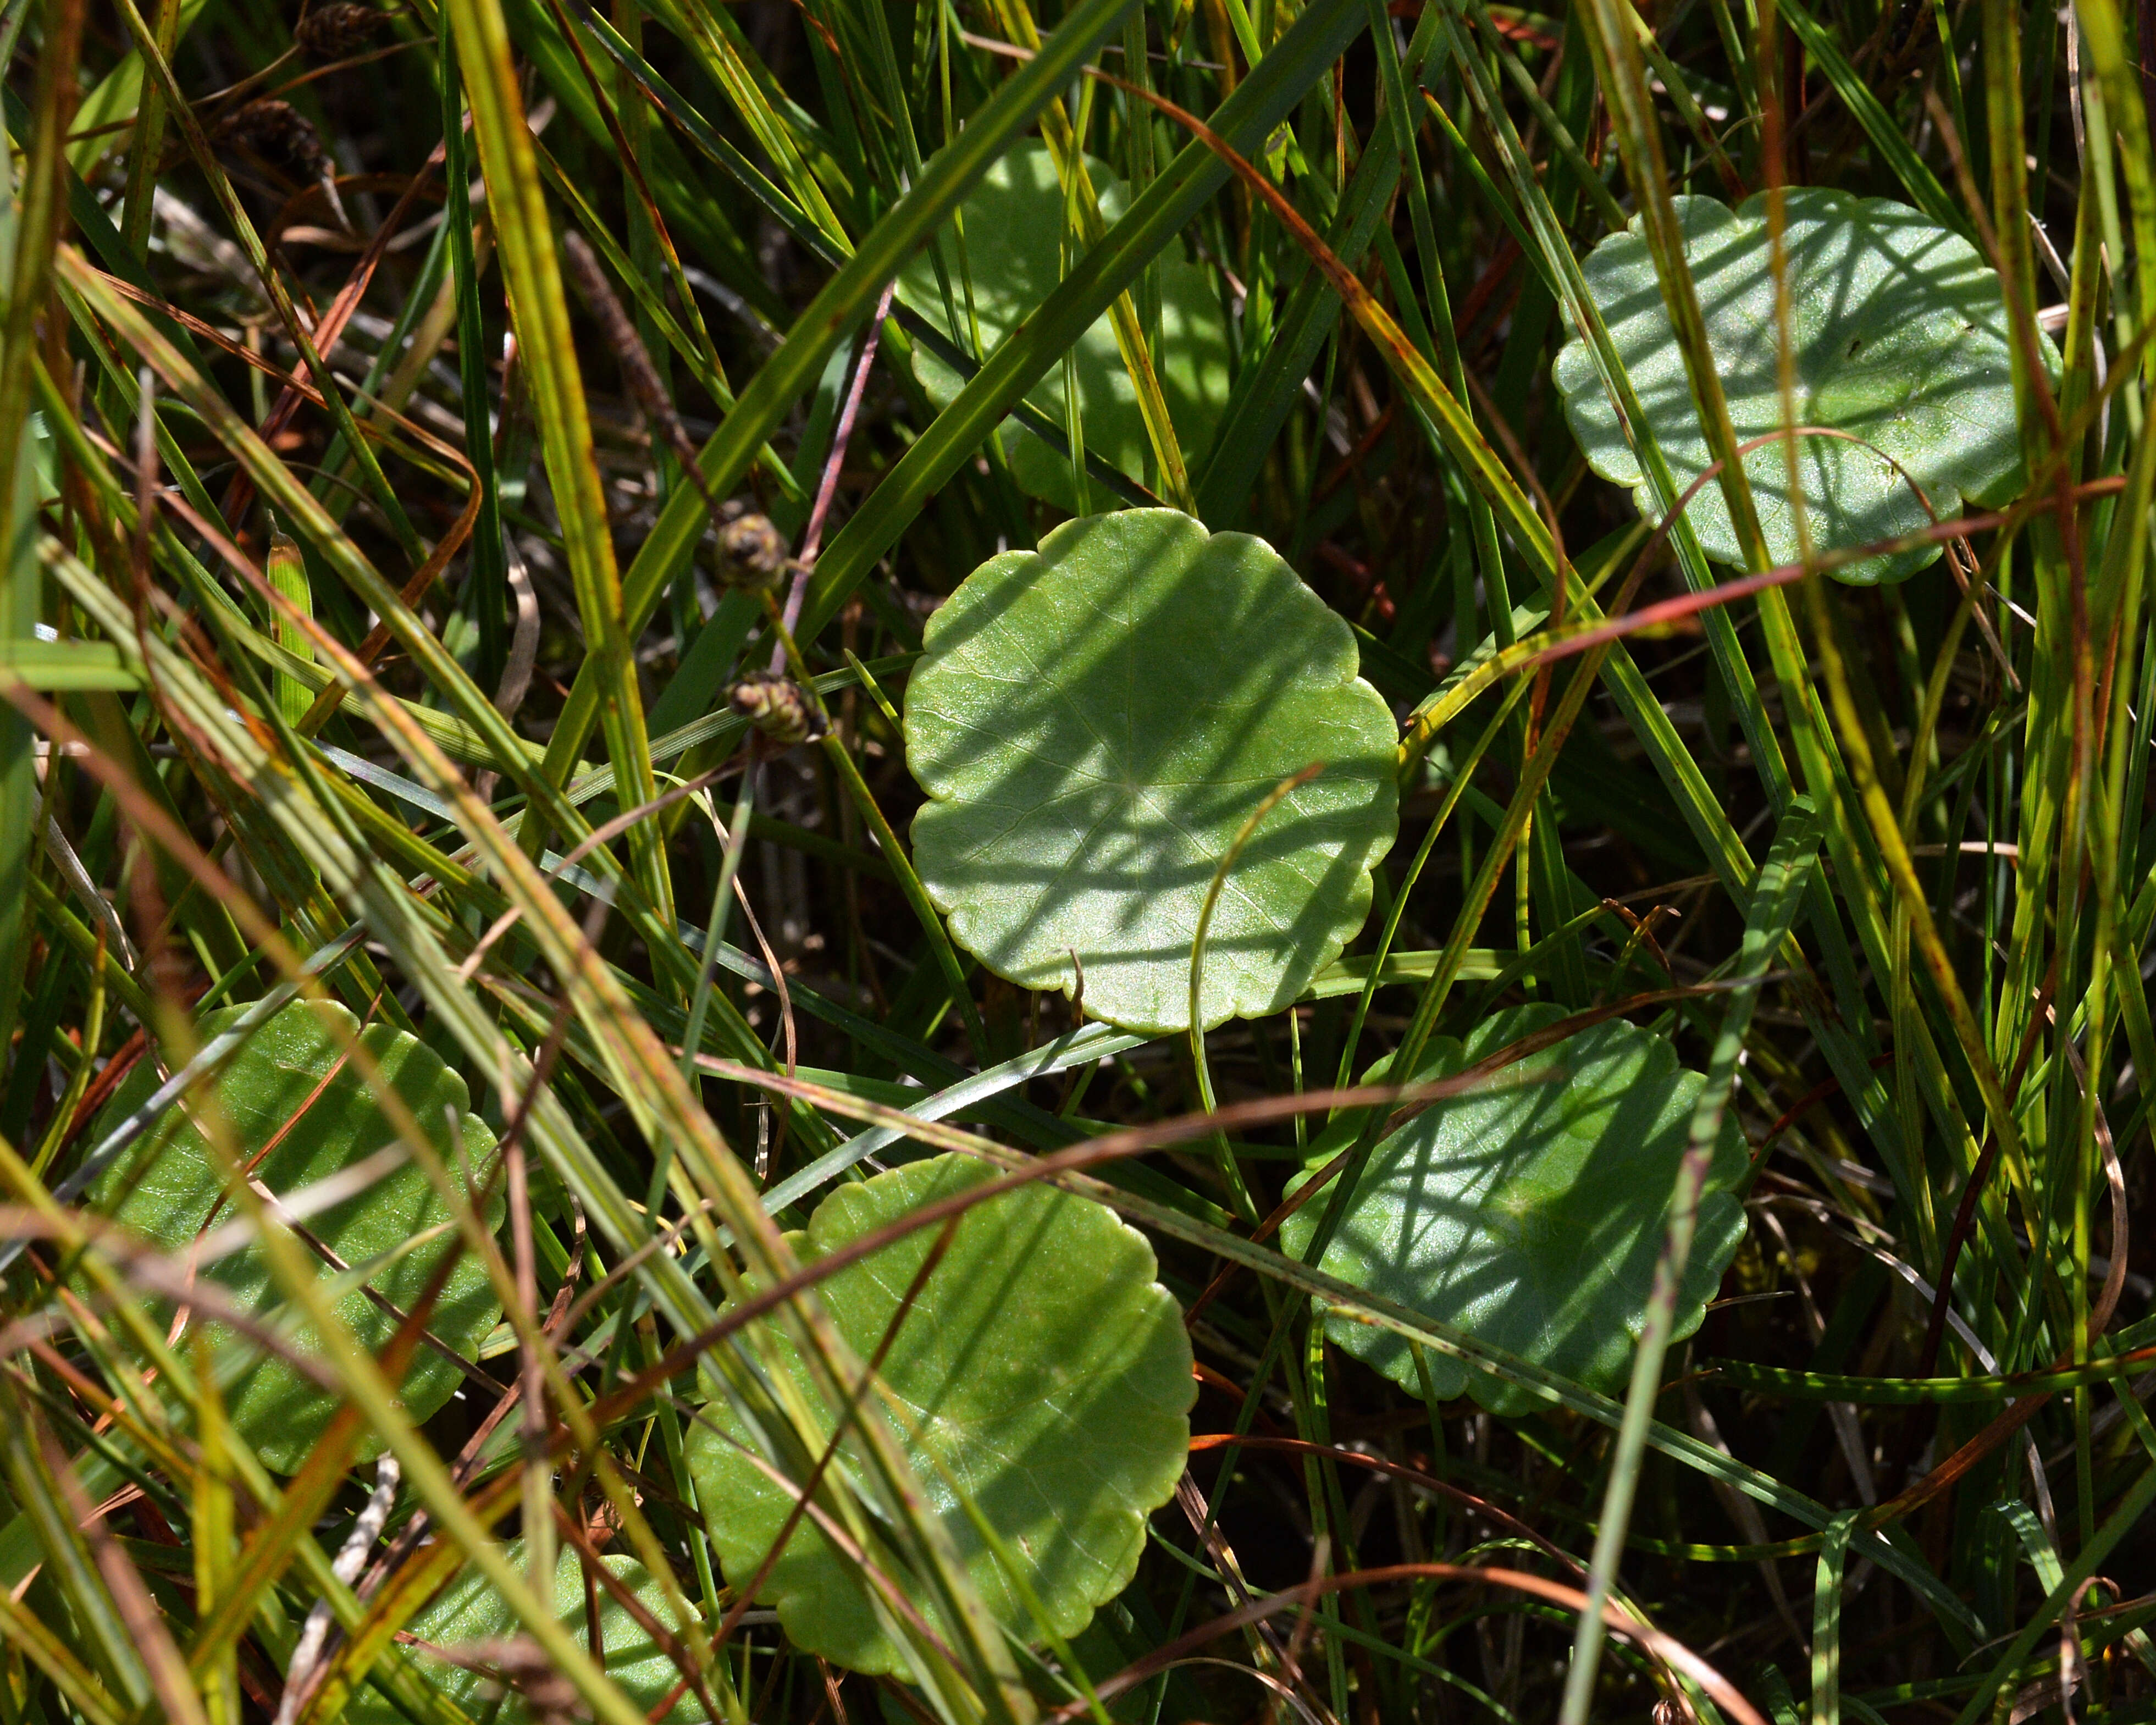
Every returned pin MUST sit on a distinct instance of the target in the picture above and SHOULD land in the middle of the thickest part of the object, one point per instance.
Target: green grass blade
(848, 296)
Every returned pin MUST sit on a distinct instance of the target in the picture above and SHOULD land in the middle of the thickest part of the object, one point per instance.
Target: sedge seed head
(777, 706)
(333, 31)
(751, 554)
(277, 132)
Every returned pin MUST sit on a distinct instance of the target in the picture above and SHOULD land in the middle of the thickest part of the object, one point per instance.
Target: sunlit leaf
(1014, 255)
(294, 1130)
(1094, 721)
(1898, 337)
(1042, 1369)
(1530, 1214)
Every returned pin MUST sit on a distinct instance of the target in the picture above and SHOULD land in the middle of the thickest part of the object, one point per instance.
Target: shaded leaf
(1531, 1214)
(1013, 248)
(1042, 1368)
(1899, 337)
(1094, 722)
(394, 1232)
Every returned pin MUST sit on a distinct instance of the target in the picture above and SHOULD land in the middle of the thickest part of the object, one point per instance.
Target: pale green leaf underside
(1899, 337)
(1013, 248)
(1042, 1368)
(166, 1188)
(1094, 722)
(1531, 1214)
(468, 1613)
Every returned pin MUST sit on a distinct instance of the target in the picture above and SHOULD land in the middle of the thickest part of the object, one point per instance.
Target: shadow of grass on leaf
(1095, 746)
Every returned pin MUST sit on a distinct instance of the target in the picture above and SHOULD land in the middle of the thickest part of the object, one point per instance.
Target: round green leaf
(394, 1234)
(1530, 1214)
(1042, 1369)
(1899, 337)
(1014, 225)
(1094, 721)
(469, 1610)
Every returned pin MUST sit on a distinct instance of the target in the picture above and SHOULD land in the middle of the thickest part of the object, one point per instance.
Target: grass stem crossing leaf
(1041, 1370)
(299, 1113)
(471, 1624)
(1531, 1214)
(1899, 339)
(1011, 259)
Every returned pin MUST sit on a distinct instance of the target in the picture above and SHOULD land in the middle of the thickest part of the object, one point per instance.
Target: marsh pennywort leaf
(1095, 721)
(468, 1613)
(1531, 1214)
(1013, 224)
(395, 1232)
(1041, 1368)
(1899, 337)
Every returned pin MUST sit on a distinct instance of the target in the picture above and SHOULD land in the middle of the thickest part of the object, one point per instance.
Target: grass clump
(1484, 806)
